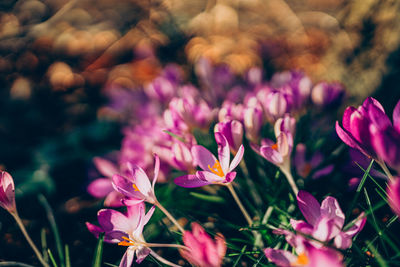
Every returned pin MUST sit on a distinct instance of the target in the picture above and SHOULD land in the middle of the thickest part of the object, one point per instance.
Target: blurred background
(60, 61)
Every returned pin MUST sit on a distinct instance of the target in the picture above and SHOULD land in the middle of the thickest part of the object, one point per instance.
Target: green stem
(286, 171)
(239, 203)
(172, 219)
(27, 237)
(162, 260)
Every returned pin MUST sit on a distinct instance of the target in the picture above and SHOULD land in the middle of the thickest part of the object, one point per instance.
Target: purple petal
(209, 176)
(203, 157)
(113, 199)
(112, 220)
(358, 225)
(236, 160)
(271, 155)
(125, 187)
(324, 257)
(301, 226)
(330, 208)
(342, 241)
(393, 191)
(156, 170)
(190, 181)
(223, 151)
(323, 172)
(105, 167)
(141, 180)
(127, 259)
(134, 213)
(396, 117)
(141, 254)
(349, 139)
(309, 206)
(300, 156)
(94, 229)
(148, 215)
(280, 257)
(100, 188)
(325, 229)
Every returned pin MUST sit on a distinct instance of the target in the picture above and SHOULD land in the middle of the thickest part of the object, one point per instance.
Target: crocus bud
(7, 192)
(233, 131)
(253, 121)
(202, 250)
(393, 192)
(230, 111)
(275, 105)
(327, 94)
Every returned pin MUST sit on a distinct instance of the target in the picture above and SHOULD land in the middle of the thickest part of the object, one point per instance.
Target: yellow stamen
(275, 146)
(217, 169)
(126, 243)
(302, 260)
(135, 187)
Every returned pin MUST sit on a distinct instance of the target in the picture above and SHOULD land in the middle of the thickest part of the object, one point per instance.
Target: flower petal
(105, 167)
(112, 220)
(125, 187)
(271, 155)
(330, 208)
(236, 160)
(100, 188)
(127, 259)
(141, 254)
(156, 170)
(223, 151)
(203, 157)
(309, 206)
(190, 181)
(113, 199)
(280, 257)
(396, 117)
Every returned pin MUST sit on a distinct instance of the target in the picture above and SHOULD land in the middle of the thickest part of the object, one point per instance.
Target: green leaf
(209, 198)
(99, 252)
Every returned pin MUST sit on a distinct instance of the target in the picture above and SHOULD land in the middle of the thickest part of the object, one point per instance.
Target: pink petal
(223, 151)
(330, 208)
(323, 229)
(7, 192)
(203, 157)
(112, 220)
(342, 241)
(141, 254)
(113, 199)
(324, 257)
(105, 167)
(396, 117)
(94, 229)
(100, 188)
(284, 147)
(282, 258)
(125, 187)
(189, 181)
(141, 180)
(271, 155)
(209, 176)
(323, 172)
(127, 259)
(358, 225)
(148, 215)
(156, 170)
(134, 213)
(301, 226)
(300, 156)
(236, 160)
(349, 140)
(309, 206)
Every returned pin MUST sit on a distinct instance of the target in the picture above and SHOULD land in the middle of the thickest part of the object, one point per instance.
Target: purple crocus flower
(7, 193)
(136, 186)
(233, 131)
(214, 170)
(161, 89)
(325, 222)
(102, 187)
(307, 256)
(276, 103)
(253, 119)
(393, 192)
(326, 94)
(356, 126)
(125, 230)
(304, 167)
(202, 250)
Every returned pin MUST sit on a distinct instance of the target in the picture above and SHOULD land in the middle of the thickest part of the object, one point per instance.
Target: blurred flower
(327, 95)
(214, 171)
(7, 193)
(393, 192)
(233, 132)
(304, 168)
(102, 187)
(202, 250)
(136, 186)
(125, 230)
(325, 221)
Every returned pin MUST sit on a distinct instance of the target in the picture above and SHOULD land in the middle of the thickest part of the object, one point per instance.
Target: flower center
(126, 242)
(275, 146)
(135, 187)
(302, 260)
(217, 169)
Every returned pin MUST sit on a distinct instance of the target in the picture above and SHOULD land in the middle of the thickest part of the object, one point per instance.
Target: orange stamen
(302, 260)
(275, 146)
(135, 187)
(217, 169)
(125, 243)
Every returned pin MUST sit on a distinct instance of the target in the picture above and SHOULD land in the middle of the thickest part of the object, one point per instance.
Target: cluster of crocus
(323, 223)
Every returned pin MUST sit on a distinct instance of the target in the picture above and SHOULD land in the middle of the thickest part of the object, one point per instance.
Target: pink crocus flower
(202, 250)
(215, 170)
(7, 193)
(305, 167)
(325, 222)
(233, 131)
(393, 192)
(125, 230)
(102, 187)
(307, 256)
(136, 186)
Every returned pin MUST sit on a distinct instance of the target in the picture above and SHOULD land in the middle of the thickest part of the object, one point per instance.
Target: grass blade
(99, 252)
(52, 258)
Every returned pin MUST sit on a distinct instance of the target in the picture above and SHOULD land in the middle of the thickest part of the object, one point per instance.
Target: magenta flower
(230, 111)
(326, 94)
(214, 170)
(307, 255)
(356, 126)
(325, 222)
(102, 187)
(125, 230)
(233, 132)
(393, 192)
(305, 167)
(7, 193)
(253, 119)
(202, 250)
(136, 186)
